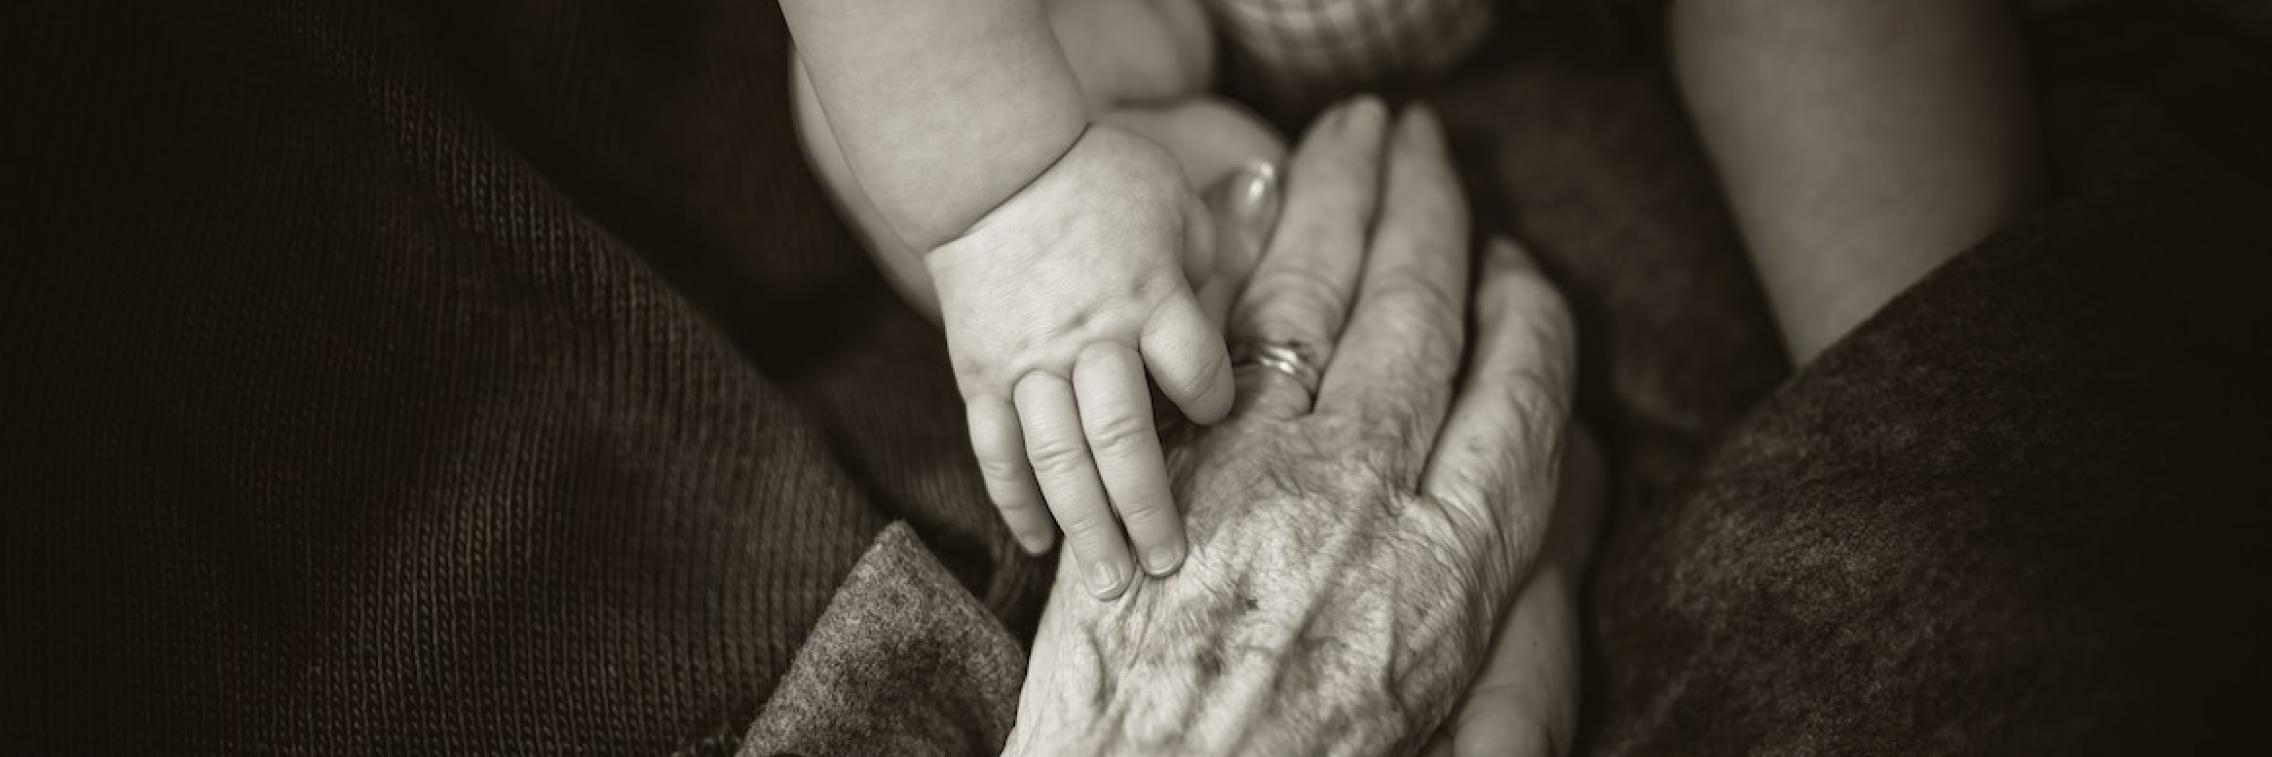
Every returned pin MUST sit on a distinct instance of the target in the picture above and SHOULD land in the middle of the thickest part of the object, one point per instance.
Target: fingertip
(1029, 524)
(1105, 566)
(1516, 281)
(1057, 448)
(1162, 560)
(1364, 115)
(1116, 413)
(1419, 120)
(1212, 403)
(1504, 252)
(1185, 355)
(998, 443)
(1105, 578)
(1155, 525)
(1215, 406)
(1038, 542)
(1363, 111)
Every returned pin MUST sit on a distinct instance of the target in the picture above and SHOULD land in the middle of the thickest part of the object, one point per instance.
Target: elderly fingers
(1404, 339)
(1058, 449)
(1116, 414)
(1301, 288)
(1501, 445)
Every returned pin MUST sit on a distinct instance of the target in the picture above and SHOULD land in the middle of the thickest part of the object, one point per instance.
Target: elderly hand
(1352, 549)
(1524, 702)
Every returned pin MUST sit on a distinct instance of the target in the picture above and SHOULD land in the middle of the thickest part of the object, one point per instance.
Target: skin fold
(1861, 144)
(1353, 560)
(1513, 689)
(1063, 249)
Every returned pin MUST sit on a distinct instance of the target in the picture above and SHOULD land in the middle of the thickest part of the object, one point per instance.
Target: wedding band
(1287, 357)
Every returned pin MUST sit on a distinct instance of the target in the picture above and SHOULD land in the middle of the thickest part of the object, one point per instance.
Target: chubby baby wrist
(981, 218)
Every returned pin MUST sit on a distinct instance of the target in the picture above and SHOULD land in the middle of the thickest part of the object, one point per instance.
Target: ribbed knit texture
(903, 662)
(464, 378)
(479, 377)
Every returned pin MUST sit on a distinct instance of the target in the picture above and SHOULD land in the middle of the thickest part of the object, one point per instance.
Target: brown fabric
(904, 661)
(491, 377)
(2011, 514)
(2005, 510)
(456, 378)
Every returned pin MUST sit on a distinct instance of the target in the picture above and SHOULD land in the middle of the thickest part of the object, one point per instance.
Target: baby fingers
(1058, 449)
(1001, 449)
(1116, 415)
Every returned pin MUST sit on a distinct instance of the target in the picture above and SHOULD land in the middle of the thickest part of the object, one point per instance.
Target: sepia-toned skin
(1351, 560)
(1057, 306)
(1523, 700)
(1014, 149)
(1860, 143)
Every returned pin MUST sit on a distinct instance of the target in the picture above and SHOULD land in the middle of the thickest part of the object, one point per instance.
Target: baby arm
(1860, 142)
(1061, 253)
(942, 108)
(1056, 307)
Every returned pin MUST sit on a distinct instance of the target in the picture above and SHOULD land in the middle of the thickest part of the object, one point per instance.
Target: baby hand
(1056, 306)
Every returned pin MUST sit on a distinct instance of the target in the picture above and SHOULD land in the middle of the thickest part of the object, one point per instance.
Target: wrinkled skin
(1351, 560)
(1320, 608)
(1100, 273)
(1520, 702)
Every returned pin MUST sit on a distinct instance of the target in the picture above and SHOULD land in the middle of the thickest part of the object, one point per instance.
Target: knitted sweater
(492, 377)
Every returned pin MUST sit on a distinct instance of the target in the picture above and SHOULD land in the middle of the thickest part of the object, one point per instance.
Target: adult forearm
(942, 108)
(1860, 142)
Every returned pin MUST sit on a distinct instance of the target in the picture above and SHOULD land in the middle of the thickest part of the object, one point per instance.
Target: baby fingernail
(1103, 578)
(1163, 560)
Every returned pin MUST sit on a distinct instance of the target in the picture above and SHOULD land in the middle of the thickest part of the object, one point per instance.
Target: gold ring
(1284, 356)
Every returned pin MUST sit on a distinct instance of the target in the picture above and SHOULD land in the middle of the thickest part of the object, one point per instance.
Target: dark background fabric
(363, 394)
(2009, 515)
(493, 377)
(904, 661)
(2013, 513)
